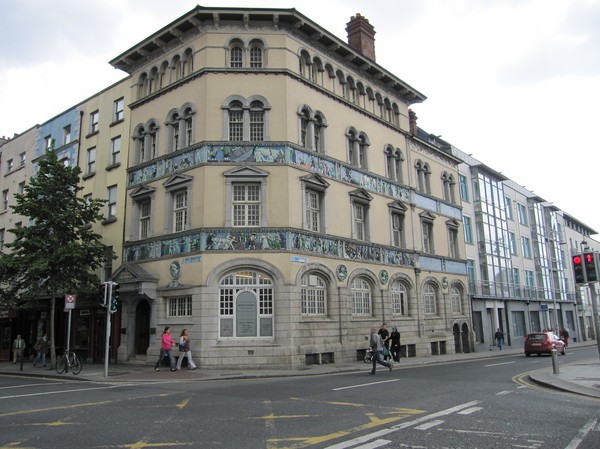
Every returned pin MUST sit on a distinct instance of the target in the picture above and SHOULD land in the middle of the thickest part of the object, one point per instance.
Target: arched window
(399, 298)
(448, 186)
(152, 140)
(361, 297)
(236, 121)
(423, 177)
(456, 300)
(256, 55)
(187, 63)
(393, 163)
(362, 156)
(319, 134)
(257, 121)
(236, 55)
(314, 295)
(142, 85)
(429, 300)
(188, 118)
(173, 124)
(139, 139)
(304, 121)
(177, 67)
(246, 305)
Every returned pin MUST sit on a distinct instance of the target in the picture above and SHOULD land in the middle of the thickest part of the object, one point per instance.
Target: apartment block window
(512, 243)
(463, 187)
(456, 300)
(94, 122)
(453, 241)
(526, 247)
(112, 202)
(429, 300)
(1, 239)
(530, 282)
(180, 306)
(118, 108)
(360, 200)
(115, 150)
(522, 211)
(153, 138)
(10, 165)
(471, 271)
(361, 297)
(468, 228)
(174, 131)
(304, 122)
(66, 137)
(357, 147)
(48, 142)
(509, 208)
(423, 177)
(399, 298)
(313, 210)
(180, 210)
(91, 161)
(313, 295)
(22, 159)
(398, 230)
(314, 187)
(517, 281)
(145, 208)
(246, 204)
(21, 188)
(5, 200)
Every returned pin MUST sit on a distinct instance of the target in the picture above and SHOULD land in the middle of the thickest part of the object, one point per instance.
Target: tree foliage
(56, 251)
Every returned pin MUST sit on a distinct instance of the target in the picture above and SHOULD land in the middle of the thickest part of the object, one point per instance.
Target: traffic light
(114, 297)
(589, 263)
(103, 294)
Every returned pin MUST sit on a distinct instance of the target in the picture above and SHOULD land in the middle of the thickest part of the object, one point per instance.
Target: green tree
(56, 252)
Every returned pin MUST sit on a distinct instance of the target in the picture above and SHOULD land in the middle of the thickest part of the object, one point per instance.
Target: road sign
(69, 301)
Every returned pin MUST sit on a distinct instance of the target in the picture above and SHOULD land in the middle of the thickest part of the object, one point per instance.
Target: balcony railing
(499, 290)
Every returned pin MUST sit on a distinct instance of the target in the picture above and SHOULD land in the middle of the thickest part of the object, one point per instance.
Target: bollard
(555, 369)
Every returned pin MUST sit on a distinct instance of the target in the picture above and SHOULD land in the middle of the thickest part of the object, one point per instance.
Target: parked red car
(543, 343)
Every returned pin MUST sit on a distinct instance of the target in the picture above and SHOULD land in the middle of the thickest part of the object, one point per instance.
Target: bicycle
(69, 361)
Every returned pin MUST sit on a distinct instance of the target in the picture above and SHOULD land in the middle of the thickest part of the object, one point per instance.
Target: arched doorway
(465, 338)
(457, 341)
(142, 327)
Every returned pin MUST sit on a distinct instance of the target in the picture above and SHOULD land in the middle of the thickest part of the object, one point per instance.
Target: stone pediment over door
(133, 279)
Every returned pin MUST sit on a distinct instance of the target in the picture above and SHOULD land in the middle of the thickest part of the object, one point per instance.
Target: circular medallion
(175, 270)
(384, 277)
(342, 272)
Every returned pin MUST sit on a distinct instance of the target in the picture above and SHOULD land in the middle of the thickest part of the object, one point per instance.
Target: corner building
(281, 199)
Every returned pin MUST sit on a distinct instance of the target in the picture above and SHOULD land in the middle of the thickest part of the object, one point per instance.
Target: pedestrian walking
(395, 344)
(565, 337)
(376, 344)
(18, 348)
(499, 336)
(166, 349)
(41, 347)
(385, 338)
(185, 350)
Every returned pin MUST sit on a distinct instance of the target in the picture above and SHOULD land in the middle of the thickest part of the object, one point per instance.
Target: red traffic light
(577, 260)
(579, 269)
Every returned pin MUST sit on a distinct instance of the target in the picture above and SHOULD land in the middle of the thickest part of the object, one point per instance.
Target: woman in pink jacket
(166, 348)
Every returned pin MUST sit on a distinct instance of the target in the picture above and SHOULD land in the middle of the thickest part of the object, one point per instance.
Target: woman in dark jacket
(395, 346)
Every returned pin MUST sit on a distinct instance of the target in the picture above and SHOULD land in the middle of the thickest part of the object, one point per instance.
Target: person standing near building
(385, 338)
(376, 344)
(18, 348)
(499, 336)
(395, 345)
(166, 349)
(185, 350)
(564, 334)
(41, 346)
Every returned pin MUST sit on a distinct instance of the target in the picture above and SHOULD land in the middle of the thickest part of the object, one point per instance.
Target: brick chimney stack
(361, 35)
(412, 122)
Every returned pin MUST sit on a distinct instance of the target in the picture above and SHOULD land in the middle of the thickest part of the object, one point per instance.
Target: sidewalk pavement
(581, 377)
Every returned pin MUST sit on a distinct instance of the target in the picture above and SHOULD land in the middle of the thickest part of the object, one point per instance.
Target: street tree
(56, 252)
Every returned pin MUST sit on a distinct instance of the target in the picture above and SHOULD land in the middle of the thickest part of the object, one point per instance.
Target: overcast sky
(515, 83)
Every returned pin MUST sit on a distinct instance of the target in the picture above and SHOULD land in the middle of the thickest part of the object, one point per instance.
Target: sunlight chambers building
(280, 198)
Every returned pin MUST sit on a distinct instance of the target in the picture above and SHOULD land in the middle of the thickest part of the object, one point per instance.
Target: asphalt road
(471, 404)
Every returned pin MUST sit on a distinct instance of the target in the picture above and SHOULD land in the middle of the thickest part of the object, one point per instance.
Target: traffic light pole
(108, 315)
(592, 287)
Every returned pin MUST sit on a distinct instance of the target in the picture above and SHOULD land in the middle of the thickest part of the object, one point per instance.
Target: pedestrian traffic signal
(591, 270)
(103, 294)
(578, 269)
(114, 296)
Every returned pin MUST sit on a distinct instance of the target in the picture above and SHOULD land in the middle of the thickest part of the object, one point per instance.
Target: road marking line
(502, 393)
(374, 444)
(470, 410)
(430, 424)
(574, 444)
(498, 364)
(365, 385)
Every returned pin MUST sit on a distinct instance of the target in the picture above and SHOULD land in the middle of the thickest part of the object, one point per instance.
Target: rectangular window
(468, 229)
(179, 306)
(94, 122)
(398, 230)
(512, 242)
(246, 205)
(452, 242)
(256, 57)
(145, 208)
(66, 135)
(118, 109)
(48, 142)
(112, 202)
(522, 214)
(5, 200)
(236, 125)
(22, 159)
(530, 283)
(359, 221)
(115, 150)
(313, 211)
(427, 230)
(91, 161)
(471, 271)
(517, 281)
(10, 165)
(21, 188)
(180, 210)
(525, 247)
(509, 209)
(464, 187)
